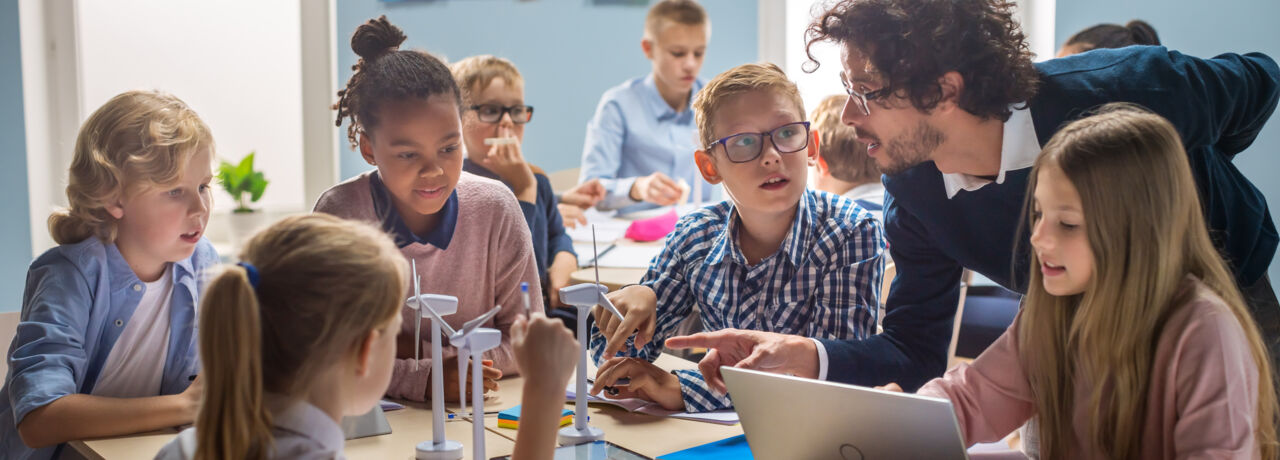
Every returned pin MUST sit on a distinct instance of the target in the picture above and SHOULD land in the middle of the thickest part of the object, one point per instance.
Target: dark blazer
(1217, 105)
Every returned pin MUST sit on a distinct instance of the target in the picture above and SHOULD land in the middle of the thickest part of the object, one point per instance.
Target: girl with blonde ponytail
(106, 345)
(297, 335)
(302, 332)
(1134, 341)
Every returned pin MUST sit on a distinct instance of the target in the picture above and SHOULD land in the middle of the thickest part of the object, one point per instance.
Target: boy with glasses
(778, 257)
(954, 112)
(493, 120)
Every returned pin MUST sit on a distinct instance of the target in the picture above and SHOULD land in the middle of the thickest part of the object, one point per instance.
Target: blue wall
(569, 51)
(15, 228)
(1203, 29)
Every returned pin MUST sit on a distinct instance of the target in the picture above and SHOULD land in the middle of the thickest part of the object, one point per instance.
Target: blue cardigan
(1217, 105)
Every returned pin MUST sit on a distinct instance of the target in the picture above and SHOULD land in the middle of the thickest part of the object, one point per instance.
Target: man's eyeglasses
(862, 99)
(744, 147)
(492, 113)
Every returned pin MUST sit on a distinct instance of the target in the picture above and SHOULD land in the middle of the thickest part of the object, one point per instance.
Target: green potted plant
(246, 186)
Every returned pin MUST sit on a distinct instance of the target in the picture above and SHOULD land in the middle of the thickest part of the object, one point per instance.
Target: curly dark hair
(911, 43)
(385, 72)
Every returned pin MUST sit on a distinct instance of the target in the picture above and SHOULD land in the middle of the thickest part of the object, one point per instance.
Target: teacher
(954, 112)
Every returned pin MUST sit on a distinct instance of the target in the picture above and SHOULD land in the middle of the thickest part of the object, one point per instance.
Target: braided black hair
(385, 72)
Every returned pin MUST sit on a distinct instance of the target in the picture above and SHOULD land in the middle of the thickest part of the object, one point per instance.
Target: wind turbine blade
(475, 323)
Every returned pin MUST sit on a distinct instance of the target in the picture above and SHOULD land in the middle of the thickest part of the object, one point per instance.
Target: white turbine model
(584, 296)
(438, 448)
(472, 341)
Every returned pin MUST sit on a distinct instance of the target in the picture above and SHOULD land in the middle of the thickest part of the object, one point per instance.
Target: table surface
(409, 426)
(646, 434)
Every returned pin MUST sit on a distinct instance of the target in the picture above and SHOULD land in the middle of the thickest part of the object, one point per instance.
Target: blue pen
(524, 292)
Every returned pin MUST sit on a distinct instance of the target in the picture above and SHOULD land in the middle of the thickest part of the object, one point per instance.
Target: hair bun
(376, 37)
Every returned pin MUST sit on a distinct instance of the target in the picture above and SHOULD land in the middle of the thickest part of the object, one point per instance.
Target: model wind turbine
(438, 448)
(584, 296)
(472, 341)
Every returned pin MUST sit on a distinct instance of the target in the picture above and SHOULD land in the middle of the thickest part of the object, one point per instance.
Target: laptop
(792, 417)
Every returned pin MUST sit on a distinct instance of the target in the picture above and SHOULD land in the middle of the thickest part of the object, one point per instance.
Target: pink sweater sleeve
(513, 245)
(1217, 387)
(991, 397)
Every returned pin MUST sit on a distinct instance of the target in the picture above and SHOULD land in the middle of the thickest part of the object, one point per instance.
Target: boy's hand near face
(638, 305)
(648, 382)
(656, 188)
(508, 162)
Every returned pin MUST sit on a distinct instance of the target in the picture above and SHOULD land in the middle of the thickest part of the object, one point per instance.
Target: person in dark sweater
(493, 129)
(954, 112)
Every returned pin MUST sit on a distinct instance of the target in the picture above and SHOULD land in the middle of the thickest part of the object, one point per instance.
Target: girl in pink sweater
(466, 233)
(1134, 341)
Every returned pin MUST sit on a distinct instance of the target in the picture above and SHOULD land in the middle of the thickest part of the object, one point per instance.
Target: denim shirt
(78, 299)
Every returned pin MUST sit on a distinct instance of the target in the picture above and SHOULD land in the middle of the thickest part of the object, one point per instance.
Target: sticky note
(510, 418)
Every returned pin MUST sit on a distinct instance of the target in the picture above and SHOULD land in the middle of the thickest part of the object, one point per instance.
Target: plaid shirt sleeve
(666, 277)
(848, 296)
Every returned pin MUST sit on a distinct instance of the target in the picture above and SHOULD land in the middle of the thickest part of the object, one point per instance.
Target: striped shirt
(823, 282)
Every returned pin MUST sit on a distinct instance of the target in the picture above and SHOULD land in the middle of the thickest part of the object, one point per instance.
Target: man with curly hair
(954, 112)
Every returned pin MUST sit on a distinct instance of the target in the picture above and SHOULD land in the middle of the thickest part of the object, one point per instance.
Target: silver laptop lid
(792, 417)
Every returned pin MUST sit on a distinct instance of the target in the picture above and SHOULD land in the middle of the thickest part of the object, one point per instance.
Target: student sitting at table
(843, 166)
(779, 257)
(494, 110)
(303, 332)
(1134, 341)
(639, 140)
(465, 232)
(106, 343)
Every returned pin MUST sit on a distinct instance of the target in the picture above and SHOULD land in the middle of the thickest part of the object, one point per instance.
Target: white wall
(236, 62)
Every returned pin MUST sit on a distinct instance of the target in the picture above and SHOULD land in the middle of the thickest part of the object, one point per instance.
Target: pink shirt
(1203, 392)
(489, 255)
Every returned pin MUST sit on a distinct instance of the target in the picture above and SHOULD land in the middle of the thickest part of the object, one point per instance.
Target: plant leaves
(228, 178)
(256, 184)
(246, 167)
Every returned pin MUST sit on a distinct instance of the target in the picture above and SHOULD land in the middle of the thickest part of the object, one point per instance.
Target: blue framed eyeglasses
(744, 147)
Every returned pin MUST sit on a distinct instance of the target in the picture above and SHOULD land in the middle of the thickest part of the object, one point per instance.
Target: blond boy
(777, 257)
(639, 142)
(843, 167)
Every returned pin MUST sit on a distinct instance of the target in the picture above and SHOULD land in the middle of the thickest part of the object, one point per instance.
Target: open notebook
(637, 405)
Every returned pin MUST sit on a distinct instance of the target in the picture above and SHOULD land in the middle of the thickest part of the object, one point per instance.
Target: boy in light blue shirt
(640, 142)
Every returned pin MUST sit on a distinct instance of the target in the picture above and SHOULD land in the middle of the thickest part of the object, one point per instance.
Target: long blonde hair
(1145, 228)
(137, 139)
(323, 285)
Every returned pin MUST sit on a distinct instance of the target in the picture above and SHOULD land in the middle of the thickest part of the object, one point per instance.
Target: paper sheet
(608, 229)
(626, 256)
(637, 405)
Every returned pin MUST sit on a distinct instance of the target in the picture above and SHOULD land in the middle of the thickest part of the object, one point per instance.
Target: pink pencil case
(653, 228)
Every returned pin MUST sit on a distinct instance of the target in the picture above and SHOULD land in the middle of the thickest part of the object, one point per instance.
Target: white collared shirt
(1019, 150)
(300, 431)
